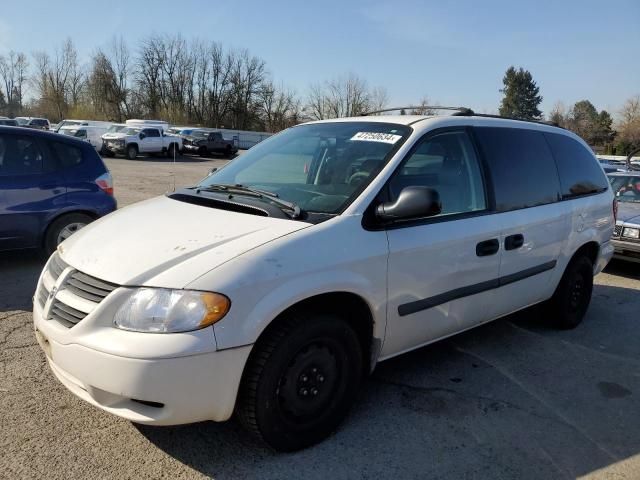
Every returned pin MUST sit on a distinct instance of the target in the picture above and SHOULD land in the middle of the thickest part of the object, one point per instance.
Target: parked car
(132, 141)
(31, 122)
(271, 288)
(110, 134)
(626, 235)
(50, 187)
(204, 142)
(70, 123)
(182, 131)
(8, 122)
(88, 133)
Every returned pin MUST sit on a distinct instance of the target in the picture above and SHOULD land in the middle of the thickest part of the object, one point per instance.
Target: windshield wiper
(289, 208)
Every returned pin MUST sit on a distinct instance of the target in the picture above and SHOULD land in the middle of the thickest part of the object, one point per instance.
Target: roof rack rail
(458, 110)
(489, 115)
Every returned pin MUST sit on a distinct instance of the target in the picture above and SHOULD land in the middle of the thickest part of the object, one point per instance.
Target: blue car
(50, 186)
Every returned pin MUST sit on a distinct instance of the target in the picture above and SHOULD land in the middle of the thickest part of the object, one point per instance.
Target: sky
(454, 52)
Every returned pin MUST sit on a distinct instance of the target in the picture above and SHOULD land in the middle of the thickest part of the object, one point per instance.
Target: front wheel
(132, 152)
(62, 228)
(570, 302)
(172, 150)
(300, 381)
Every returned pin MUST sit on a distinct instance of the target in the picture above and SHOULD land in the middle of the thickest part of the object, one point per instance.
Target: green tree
(595, 127)
(521, 95)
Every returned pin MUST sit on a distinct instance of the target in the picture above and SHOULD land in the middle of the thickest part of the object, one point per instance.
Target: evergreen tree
(521, 95)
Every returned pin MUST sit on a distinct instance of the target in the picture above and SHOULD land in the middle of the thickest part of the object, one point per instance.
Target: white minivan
(275, 285)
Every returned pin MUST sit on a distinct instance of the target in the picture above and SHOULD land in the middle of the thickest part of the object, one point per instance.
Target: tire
(61, 228)
(300, 381)
(132, 152)
(571, 299)
(171, 150)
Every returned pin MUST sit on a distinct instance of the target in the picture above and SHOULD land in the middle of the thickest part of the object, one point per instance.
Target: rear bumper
(166, 391)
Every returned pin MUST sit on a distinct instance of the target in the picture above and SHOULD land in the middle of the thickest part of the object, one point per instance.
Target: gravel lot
(512, 399)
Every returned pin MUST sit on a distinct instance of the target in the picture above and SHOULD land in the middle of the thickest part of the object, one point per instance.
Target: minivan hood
(629, 212)
(163, 242)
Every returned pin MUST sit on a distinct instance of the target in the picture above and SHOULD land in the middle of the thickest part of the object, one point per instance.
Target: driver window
(448, 164)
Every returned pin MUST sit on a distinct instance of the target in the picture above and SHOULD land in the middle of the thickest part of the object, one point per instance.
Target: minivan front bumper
(164, 391)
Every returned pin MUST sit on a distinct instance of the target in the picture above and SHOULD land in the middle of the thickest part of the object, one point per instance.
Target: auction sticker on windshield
(376, 137)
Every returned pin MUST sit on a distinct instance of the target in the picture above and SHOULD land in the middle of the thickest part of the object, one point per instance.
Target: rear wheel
(300, 381)
(570, 302)
(132, 152)
(62, 228)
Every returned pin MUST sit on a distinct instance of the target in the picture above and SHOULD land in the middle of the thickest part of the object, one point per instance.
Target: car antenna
(460, 110)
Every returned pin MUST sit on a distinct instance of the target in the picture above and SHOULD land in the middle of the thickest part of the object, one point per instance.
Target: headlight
(631, 233)
(160, 310)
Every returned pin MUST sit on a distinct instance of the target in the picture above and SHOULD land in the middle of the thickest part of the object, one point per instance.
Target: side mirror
(413, 202)
(142, 135)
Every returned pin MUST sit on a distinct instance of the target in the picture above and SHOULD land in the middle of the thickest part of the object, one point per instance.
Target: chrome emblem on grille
(53, 292)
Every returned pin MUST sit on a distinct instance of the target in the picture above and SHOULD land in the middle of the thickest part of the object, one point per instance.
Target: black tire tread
(245, 406)
(559, 298)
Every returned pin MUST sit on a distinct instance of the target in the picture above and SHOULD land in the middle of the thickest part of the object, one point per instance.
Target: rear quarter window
(68, 155)
(579, 171)
(523, 170)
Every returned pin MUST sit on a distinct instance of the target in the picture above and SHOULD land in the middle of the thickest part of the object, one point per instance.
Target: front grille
(77, 296)
(88, 287)
(617, 231)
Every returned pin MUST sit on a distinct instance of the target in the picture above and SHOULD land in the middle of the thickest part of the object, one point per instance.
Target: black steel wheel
(573, 295)
(300, 381)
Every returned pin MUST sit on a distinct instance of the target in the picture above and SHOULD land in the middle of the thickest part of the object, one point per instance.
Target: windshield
(320, 167)
(131, 131)
(115, 128)
(200, 134)
(22, 121)
(626, 187)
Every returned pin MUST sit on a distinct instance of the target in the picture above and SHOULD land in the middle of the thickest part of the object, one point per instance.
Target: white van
(70, 122)
(90, 133)
(161, 124)
(272, 287)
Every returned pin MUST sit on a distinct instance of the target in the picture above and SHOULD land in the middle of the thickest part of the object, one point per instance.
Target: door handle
(512, 242)
(488, 247)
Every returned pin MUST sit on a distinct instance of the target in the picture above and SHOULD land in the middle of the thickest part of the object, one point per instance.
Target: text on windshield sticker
(376, 137)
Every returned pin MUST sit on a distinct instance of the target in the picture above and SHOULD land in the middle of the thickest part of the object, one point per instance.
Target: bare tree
(13, 73)
(423, 108)
(629, 127)
(342, 97)
(247, 75)
(559, 114)
(279, 107)
(58, 80)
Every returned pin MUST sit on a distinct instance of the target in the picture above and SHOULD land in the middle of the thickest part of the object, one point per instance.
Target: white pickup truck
(132, 141)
